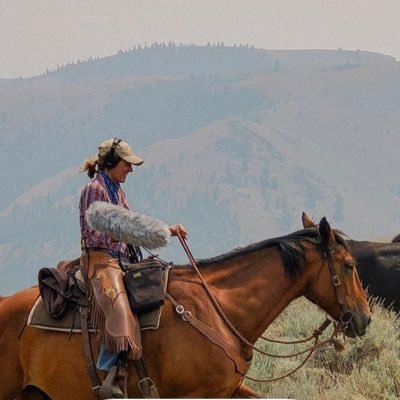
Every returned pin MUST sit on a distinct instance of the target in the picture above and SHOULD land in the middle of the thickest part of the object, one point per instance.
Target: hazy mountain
(236, 141)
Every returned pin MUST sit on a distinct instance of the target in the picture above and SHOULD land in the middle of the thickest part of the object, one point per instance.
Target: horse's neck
(253, 290)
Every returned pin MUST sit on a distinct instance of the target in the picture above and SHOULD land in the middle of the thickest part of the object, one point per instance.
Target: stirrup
(109, 389)
(116, 392)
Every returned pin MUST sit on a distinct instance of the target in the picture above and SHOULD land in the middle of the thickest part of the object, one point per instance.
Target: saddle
(63, 289)
(62, 306)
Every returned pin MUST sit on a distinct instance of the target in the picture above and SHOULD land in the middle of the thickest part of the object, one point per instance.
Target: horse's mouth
(351, 330)
(355, 329)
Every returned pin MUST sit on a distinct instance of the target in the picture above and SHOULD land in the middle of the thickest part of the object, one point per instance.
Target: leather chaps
(111, 314)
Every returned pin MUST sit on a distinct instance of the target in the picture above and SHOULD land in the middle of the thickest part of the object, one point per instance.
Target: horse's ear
(326, 232)
(307, 221)
(396, 239)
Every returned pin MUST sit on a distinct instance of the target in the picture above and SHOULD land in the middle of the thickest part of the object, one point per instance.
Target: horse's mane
(291, 247)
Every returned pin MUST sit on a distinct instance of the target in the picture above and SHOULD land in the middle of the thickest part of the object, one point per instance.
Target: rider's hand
(174, 229)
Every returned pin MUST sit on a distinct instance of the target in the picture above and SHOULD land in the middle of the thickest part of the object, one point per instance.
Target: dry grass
(368, 367)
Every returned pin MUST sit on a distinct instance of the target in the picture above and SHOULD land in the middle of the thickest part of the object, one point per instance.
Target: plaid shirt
(96, 190)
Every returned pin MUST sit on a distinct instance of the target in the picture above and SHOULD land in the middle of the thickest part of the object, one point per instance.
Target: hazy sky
(39, 34)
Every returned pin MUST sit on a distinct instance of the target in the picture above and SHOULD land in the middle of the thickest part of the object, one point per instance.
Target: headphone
(111, 158)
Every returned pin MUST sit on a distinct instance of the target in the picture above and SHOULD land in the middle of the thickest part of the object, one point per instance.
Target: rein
(311, 351)
(341, 326)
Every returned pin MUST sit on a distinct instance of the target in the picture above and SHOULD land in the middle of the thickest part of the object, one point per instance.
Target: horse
(378, 266)
(396, 239)
(251, 284)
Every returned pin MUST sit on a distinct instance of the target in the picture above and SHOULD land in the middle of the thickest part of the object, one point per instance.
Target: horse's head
(334, 283)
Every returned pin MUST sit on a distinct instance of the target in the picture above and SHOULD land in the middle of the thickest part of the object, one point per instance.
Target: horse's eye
(349, 265)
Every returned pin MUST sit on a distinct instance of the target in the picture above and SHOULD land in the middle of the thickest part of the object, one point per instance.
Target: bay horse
(252, 284)
(378, 267)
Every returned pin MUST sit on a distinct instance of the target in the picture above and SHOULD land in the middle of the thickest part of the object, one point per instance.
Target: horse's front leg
(244, 392)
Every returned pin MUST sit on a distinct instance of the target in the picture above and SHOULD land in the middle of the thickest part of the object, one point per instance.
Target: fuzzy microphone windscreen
(127, 226)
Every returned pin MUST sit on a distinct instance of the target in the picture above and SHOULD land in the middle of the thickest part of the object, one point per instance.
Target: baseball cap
(122, 149)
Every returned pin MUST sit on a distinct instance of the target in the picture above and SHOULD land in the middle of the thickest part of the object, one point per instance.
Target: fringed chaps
(111, 314)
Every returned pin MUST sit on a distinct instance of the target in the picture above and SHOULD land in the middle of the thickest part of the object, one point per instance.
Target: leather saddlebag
(144, 286)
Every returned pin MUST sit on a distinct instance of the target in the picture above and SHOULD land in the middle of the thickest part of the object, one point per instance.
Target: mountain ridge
(235, 156)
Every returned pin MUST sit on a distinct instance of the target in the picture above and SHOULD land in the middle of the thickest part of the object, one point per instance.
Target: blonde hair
(92, 165)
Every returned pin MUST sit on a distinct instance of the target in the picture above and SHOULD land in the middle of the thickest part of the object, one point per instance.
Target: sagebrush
(367, 368)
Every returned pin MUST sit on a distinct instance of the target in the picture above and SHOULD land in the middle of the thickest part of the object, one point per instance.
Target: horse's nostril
(346, 317)
(369, 320)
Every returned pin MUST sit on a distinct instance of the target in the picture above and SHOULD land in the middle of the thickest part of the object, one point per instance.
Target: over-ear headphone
(111, 158)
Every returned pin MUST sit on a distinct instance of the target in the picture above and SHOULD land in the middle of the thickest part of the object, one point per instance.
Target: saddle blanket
(71, 322)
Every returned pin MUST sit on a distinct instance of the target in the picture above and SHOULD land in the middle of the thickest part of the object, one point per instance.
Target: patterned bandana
(112, 187)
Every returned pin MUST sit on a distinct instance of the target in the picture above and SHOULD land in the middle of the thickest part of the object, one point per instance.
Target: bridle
(341, 326)
(346, 315)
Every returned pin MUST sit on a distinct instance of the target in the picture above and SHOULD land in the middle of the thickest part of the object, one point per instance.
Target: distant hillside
(171, 61)
(236, 141)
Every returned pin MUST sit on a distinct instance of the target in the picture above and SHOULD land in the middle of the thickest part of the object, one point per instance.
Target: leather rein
(341, 326)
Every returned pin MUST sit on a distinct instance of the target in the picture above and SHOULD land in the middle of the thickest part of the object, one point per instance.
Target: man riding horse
(111, 314)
